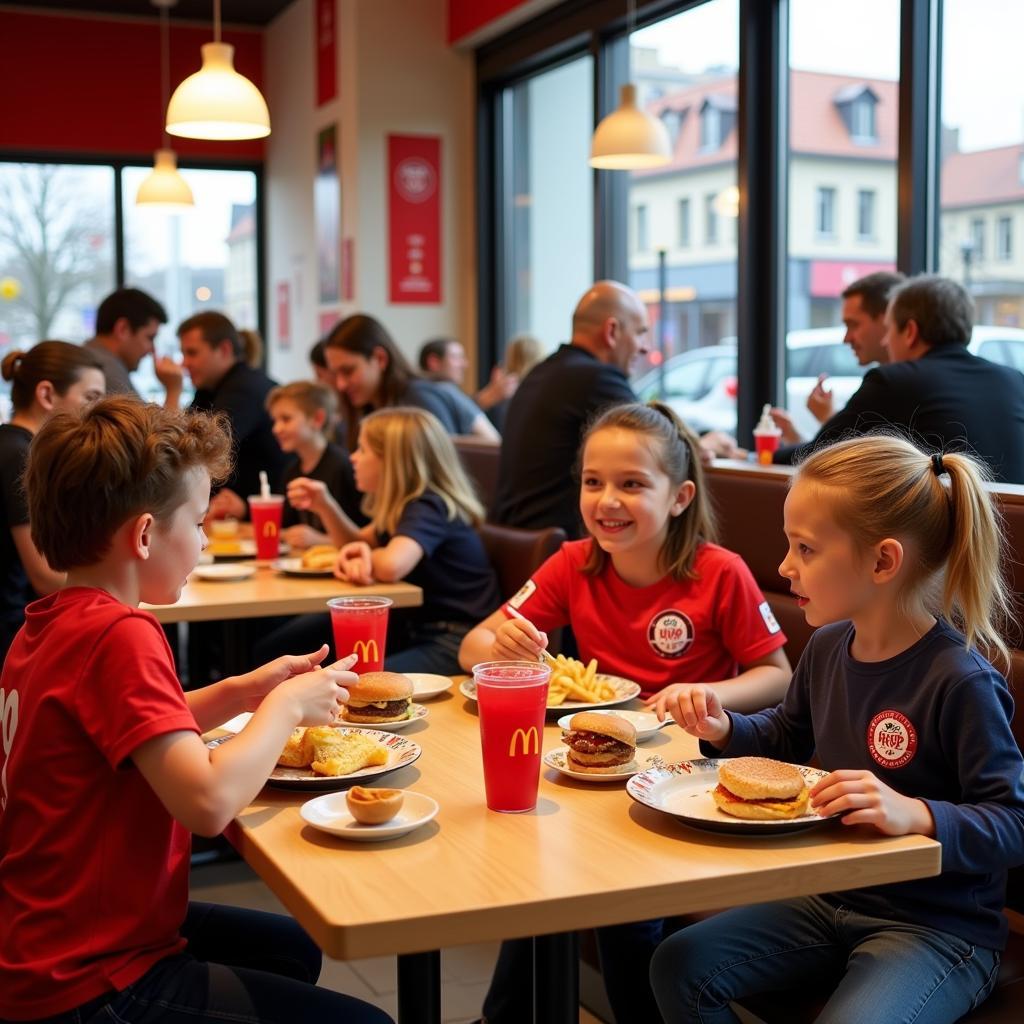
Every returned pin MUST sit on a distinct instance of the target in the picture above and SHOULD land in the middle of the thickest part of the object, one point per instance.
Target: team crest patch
(523, 594)
(670, 633)
(892, 739)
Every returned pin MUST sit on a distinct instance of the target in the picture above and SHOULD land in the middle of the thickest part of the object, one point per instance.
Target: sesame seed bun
(605, 725)
(760, 778)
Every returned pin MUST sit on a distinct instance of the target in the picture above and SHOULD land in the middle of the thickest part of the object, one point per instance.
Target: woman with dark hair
(52, 377)
(371, 373)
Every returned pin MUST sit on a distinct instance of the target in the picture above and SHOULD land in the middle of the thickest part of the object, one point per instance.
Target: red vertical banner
(284, 315)
(414, 218)
(326, 52)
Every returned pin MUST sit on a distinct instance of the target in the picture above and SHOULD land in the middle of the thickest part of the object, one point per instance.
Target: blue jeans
(882, 970)
(240, 965)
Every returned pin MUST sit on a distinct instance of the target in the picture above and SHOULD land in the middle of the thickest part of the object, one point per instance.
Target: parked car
(700, 385)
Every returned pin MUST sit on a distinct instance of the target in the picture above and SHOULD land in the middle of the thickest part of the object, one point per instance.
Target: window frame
(118, 164)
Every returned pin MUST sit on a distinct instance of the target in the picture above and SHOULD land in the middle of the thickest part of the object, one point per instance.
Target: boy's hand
(696, 708)
(518, 639)
(869, 801)
(306, 495)
(355, 563)
(260, 681)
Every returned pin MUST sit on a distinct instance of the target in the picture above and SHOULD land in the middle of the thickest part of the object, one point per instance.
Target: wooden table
(270, 593)
(587, 856)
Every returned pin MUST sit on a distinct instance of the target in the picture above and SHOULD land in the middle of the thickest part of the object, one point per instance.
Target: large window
(685, 68)
(843, 121)
(204, 258)
(547, 205)
(59, 252)
(982, 170)
(56, 250)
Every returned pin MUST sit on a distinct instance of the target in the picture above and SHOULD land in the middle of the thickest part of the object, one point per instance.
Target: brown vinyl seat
(517, 554)
(480, 460)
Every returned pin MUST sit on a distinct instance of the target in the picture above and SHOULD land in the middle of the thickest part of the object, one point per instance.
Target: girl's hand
(518, 639)
(695, 707)
(306, 495)
(302, 536)
(258, 683)
(869, 801)
(317, 696)
(355, 563)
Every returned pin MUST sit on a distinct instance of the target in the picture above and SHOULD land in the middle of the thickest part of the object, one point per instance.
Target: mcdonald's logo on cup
(367, 650)
(360, 625)
(528, 737)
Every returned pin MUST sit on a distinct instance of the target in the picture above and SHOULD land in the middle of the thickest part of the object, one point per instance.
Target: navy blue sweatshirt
(931, 723)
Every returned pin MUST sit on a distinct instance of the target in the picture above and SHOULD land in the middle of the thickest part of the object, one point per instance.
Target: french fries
(572, 680)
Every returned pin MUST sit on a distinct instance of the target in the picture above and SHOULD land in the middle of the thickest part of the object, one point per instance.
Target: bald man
(548, 412)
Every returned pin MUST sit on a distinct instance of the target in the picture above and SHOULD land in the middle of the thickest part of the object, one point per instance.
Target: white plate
(294, 567)
(401, 752)
(225, 572)
(625, 690)
(645, 722)
(330, 813)
(418, 712)
(683, 791)
(425, 685)
(557, 759)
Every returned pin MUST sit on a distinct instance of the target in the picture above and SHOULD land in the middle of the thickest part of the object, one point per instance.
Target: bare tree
(51, 240)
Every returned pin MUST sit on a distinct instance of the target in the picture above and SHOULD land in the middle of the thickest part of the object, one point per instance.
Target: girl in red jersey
(686, 611)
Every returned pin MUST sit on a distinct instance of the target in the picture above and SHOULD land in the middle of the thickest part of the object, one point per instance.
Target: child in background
(884, 555)
(104, 773)
(686, 611)
(301, 413)
(51, 377)
(423, 514)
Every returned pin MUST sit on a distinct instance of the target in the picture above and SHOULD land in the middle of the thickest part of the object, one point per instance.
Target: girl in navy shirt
(888, 549)
(423, 518)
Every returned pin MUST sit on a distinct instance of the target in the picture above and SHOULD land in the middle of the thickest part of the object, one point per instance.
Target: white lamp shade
(629, 138)
(217, 102)
(164, 186)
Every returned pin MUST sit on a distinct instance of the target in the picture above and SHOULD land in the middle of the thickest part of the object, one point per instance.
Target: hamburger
(379, 697)
(760, 789)
(599, 744)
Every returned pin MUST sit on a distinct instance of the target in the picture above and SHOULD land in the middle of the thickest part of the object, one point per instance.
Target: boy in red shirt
(103, 773)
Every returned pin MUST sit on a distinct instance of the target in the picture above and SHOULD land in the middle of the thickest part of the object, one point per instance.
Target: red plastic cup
(266, 523)
(766, 444)
(360, 627)
(512, 698)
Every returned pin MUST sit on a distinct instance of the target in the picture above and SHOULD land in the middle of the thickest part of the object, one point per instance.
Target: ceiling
(238, 12)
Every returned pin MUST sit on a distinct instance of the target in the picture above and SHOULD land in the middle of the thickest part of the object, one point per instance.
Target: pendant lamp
(217, 102)
(629, 138)
(164, 186)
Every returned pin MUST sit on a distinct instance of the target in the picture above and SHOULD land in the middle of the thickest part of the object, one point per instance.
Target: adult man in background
(864, 304)
(547, 414)
(127, 322)
(212, 355)
(933, 388)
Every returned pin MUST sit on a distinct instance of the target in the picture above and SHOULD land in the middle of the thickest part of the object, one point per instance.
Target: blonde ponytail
(882, 486)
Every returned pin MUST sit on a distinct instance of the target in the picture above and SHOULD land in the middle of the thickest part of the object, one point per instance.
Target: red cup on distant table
(360, 626)
(512, 697)
(766, 444)
(265, 513)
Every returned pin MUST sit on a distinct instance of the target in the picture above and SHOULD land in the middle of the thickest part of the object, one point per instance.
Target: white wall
(395, 75)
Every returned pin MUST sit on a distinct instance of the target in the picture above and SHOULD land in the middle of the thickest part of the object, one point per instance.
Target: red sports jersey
(93, 870)
(697, 631)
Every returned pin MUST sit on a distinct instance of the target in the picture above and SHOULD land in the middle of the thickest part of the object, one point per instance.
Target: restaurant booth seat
(748, 502)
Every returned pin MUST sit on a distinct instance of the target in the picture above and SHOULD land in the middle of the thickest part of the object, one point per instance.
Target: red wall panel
(467, 16)
(92, 85)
